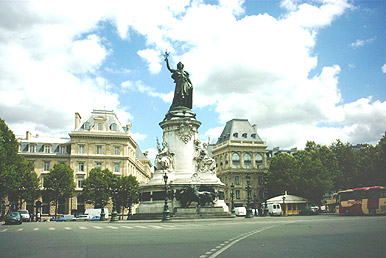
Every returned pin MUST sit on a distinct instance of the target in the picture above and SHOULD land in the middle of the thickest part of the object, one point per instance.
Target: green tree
(127, 193)
(8, 158)
(347, 164)
(23, 183)
(280, 174)
(380, 162)
(97, 187)
(59, 184)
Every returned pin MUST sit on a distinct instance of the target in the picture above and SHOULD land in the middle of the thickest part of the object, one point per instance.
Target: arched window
(247, 160)
(235, 135)
(113, 127)
(235, 160)
(259, 158)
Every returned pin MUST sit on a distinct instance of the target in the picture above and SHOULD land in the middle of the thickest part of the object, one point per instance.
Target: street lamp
(232, 199)
(284, 205)
(166, 213)
(249, 209)
(130, 203)
(114, 213)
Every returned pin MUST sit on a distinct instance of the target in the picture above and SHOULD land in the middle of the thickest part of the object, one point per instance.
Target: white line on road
(237, 239)
(97, 227)
(126, 227)
(112, 227)
(36, 229)
(154, 226)
(4, 230)
(82, 227)
(67, 228)
(51, 228)
(140, 227)
(20, 229)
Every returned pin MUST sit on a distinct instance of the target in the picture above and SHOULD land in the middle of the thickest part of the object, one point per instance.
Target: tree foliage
(127, 193)
(59, 183)
(18, 179)
(97, 187)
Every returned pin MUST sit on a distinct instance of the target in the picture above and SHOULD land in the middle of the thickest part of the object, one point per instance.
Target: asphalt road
(300, 236)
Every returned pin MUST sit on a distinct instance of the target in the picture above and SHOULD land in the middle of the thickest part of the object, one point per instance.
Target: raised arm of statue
(166, 55)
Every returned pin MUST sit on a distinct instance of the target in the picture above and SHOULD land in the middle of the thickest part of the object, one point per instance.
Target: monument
(183, 168)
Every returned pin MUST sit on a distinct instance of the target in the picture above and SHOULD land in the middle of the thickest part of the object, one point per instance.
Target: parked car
(240, 211)
(83, 217)
(63, 218)
(95, 218)
(25, 215)
(309, 211)
(274, 209)
(13, 217)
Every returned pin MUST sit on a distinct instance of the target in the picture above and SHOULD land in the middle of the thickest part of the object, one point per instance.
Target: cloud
(361, 43)
(139, 86)
(384, 68)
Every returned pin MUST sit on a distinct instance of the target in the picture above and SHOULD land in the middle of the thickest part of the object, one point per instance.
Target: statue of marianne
(183, 93)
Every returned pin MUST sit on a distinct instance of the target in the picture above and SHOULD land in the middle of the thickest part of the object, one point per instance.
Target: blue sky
(300, 70)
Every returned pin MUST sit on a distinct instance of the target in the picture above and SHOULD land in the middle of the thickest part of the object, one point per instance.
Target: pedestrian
(38, 217)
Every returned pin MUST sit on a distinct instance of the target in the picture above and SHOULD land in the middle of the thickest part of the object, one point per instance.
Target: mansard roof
(239, 129)
(107, 118)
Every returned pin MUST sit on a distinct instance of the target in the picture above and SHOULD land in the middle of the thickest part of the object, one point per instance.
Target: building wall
(83, 151)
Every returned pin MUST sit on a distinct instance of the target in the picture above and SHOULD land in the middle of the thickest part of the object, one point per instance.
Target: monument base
(201, 213)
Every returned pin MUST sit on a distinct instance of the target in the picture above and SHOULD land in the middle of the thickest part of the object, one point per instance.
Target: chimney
(254, 126)
(77, 120)
(128, 128)
(28, 135)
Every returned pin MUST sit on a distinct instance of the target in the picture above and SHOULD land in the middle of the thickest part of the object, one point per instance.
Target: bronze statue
(183, 92)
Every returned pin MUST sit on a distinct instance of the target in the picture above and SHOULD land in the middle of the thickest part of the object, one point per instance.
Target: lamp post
(166, 212)
(130, 201)
(232, 199)
(249, 209)
(284, 209)
(114, 214)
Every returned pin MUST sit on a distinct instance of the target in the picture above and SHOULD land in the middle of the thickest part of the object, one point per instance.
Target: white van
(240, 211)
(96, 212)
(274, 209)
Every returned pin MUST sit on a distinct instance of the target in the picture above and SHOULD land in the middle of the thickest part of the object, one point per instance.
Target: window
(247, 160)
(81, 149)
(244, 135)
(113, 127)
(99, 149)
(116, 150)
(80, 204)
(237, 194)
(81, 166)
(31, 148)
(46, 166)
(116, 167)
(259, 158)
(100, 126)
(237, 180)
(86, 126)
(235, 160)
(47, 148)
(253, 136)
(80, 181)
(99, 165)
(63, 149)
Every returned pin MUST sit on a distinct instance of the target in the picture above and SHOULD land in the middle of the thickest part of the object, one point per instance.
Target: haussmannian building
(99, 141)
(239, 152)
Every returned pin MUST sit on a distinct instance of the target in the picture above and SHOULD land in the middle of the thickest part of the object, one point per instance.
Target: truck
(96, 212)
(274, 209)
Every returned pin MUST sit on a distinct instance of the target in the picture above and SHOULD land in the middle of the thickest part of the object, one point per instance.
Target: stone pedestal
(185, 161)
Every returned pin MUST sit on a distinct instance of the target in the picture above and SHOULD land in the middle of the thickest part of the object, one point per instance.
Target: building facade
(99, 141)
(240, 154)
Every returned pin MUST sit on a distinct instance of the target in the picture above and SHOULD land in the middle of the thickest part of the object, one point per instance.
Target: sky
(300, 70)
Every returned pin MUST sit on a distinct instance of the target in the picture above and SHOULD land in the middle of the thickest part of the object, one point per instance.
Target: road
(296, 236)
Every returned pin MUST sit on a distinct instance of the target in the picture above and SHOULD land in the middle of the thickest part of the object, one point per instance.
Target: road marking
(36, 229)
(154, 226)
(82, 227)
(168, 226)
(140, 227)
(67, 228)
(126, 227)
(51, 228)
(4, 230)
(112, 227)
(20, 229)
(237, 239)
(97, 227)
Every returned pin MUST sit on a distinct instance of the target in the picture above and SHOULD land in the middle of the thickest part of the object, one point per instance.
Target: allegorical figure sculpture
(183, 93)
(165, 158)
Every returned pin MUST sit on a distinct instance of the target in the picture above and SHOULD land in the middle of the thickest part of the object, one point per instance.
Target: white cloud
(384, 68)
(361, 43)
(152, 58)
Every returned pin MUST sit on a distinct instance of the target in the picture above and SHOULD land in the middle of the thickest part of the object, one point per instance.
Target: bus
(362, 201)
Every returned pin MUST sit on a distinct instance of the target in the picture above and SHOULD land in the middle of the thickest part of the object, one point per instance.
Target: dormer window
(244, 135)
(253, 136)
(236, 135)
(32, 148)
(100, 126)
(47, 149)
(86, 126)
(113, 127)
